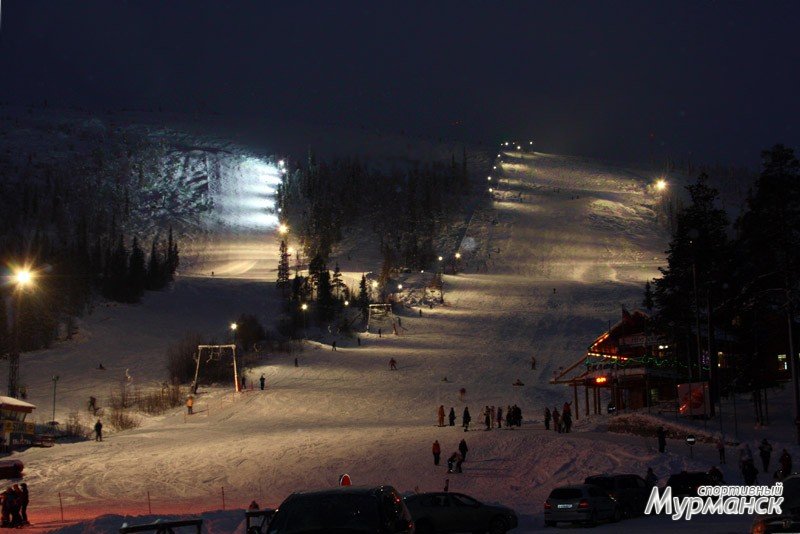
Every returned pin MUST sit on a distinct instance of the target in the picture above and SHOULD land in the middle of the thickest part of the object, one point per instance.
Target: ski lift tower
(214, 353)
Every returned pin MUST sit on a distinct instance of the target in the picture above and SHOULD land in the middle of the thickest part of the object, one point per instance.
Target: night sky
(624, 80)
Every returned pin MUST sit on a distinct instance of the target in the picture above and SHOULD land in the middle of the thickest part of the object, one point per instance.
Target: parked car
(687, 482)
(455, 512)
(584, 503)
(630, 491)
(378, 510)
(789, 520)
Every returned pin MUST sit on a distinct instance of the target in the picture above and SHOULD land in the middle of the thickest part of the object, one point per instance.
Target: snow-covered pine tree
(283, 282)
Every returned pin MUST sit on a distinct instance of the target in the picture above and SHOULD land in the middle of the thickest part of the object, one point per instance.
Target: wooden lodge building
(631, 367)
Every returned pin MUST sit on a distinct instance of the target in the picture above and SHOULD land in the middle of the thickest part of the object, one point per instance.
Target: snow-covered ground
(565, 243)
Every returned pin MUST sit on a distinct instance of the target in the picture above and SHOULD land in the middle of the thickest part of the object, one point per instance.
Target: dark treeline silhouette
(70, 221)
(738, 282)
(405, 210)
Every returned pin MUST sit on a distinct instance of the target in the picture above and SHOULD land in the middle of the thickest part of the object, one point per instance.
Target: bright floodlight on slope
(519, 147)
(489, 178)
(283, 229)
(347, 303)
(374, 284)
(440, 258)
(23, 277)
(234, 326)
(281, 163)
(458, 255)
(491, 190)
(399, 287)
(661, 184)
(304, 306)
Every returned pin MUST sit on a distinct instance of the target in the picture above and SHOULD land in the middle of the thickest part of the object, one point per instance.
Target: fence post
(223, 498)
(149, 507)
(61, 505)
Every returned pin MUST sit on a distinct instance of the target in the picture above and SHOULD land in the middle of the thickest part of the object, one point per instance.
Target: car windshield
(604, 482)
(566, 493)
(313, 513)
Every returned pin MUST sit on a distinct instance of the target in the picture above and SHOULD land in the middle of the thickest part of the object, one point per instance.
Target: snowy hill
(564, 243)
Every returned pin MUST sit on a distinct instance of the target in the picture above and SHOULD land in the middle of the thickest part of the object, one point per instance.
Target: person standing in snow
(452, 416)
(786, 463)
(333, 346)
(509, 416)
(547, 417)
(24, 503)
(556, 420)
(393, 365)
(465, 419)
(765, 451)
(189, 404)
(440, 414)
(98, 431)
(566, 418)
(380, 334)
(662, 439)
(437, 452)
(491, 415)
(745, 455)
(244, 382)
(263, 382)
(533, 363)
(749, 472)
(486, 418)
(462, 448)
(499, 417)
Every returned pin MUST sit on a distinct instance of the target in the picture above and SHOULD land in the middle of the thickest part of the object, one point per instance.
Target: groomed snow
(565, 243)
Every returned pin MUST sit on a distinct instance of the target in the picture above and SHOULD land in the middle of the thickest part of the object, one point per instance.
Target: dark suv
(346, 509)
(630, 491)
(454, 512)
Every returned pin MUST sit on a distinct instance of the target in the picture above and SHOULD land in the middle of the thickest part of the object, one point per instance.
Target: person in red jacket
(437, 452)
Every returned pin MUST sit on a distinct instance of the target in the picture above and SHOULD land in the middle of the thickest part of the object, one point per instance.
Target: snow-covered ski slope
(564, 244)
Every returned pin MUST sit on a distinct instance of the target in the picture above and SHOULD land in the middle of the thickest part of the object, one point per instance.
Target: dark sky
(623, 80)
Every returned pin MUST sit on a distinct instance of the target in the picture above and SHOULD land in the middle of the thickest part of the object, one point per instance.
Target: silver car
(583, 503)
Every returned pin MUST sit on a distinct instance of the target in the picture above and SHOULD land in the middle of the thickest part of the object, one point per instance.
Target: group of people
(491, 415)
(455, 460)
(747, 464)
(14, 506)
(562, 422)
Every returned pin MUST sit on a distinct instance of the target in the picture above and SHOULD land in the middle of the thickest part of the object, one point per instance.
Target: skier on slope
(452, 416)
(440, 415)
(487, 419)
(499, 417)
(437, 451)
(556, 420)
(465, 419)
(547, 418)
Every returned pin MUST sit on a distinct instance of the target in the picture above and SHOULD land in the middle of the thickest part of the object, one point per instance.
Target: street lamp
(458, 255)
(399, 287)
(347, 303)
(55, 381)
(661, 184)
(22, 278)
(303, 308)
(283, 229)
(489, 178)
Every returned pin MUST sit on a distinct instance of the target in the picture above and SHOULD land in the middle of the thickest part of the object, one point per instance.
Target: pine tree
(173, 259)
(137, 272)
(337, 283)
(155, 269)
(363, 297)
(324, 296)
(283, 270)
(647, 302)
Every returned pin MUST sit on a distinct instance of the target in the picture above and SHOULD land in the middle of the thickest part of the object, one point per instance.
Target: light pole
(458, 262)
(21, 278)
(55, 381)
(303, 308)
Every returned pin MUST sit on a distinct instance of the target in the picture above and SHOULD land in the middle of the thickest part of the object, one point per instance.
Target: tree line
(73, 222)
(729, 281)
(405, 210)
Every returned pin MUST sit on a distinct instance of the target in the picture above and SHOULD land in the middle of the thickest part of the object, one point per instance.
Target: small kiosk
(12, 416)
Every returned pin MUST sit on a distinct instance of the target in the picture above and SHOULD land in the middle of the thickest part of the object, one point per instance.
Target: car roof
(346, 490)
(577, 486)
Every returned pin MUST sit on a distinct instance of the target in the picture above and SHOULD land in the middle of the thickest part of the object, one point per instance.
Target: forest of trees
(405, 210)
(71, 222)
(732, 279)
